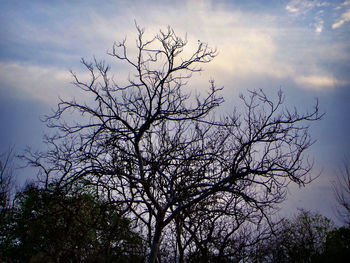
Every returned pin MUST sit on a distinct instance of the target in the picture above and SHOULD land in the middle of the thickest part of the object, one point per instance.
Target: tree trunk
(156, 240)
(178, 238)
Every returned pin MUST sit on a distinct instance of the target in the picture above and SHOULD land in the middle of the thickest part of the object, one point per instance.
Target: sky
(300, 47)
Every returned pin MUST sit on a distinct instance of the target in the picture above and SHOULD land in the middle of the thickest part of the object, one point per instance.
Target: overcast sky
(301, 47)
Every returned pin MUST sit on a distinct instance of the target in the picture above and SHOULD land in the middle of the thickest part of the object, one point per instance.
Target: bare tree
(159, 152)
(341, 189)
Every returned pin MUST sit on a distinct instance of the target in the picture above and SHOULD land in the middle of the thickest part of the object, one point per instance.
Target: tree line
(77, 226)
(146, 171)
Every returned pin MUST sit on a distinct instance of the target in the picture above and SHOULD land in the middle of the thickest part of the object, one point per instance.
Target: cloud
(254, 55)
(40, 83)
(251, 45)
(317, 82)
(303, 6)
(319, 24)
(292, 8)
(245, 46)
(346, 3)
(345, 17)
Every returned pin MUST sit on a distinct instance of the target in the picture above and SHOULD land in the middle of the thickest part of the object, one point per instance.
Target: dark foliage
(336, 248)
(59, 227)
(296, 240)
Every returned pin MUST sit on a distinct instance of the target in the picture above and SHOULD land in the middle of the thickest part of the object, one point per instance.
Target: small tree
(299, 239)
(158, 152)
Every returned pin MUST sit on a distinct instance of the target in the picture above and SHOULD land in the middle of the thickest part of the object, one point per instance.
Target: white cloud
(253, 53)
(303, 6)
(345, 17)
(318, 24)
(316, 82)
(346, 3)
(292, 7)
(319, 27)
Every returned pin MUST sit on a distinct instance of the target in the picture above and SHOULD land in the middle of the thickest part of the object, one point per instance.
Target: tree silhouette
(158, 152)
